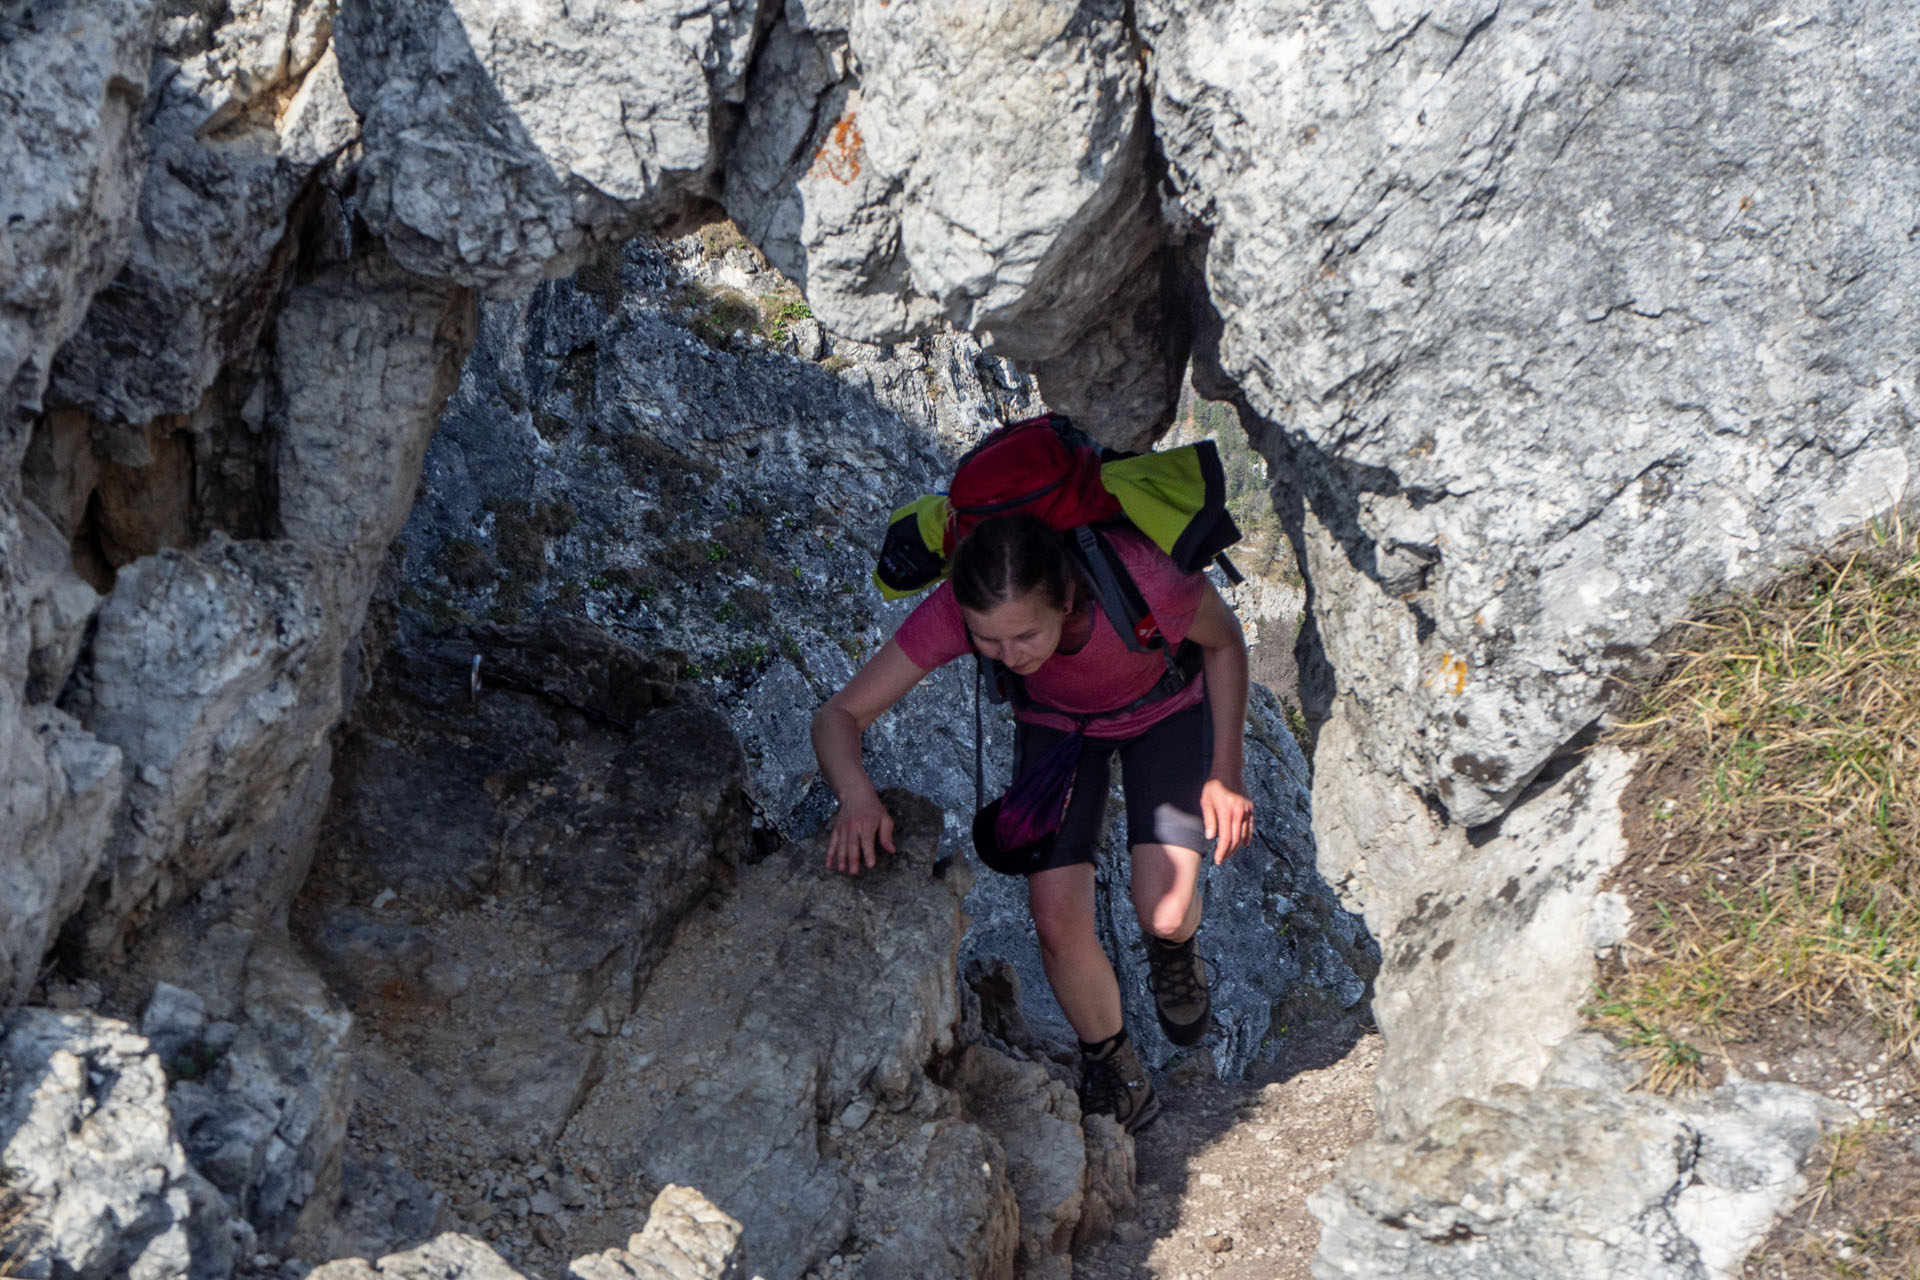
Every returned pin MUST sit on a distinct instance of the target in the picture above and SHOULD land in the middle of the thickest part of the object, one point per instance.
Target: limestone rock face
(372, 348)
(61, 788)
(1572, 1182)
(76, 80)
(1559, 317)
(89, 1144)
(1550, 322)
(201, 672)
(462, 899)
(467, 870)
(910, 163)
(502, 139)
(1487, 972)
(247, 104)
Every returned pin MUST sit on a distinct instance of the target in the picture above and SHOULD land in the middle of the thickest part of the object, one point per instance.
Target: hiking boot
(1180, 993)
(1113, 1083)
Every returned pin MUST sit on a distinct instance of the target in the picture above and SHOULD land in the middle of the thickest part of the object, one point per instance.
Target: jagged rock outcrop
(680, 495)
(72, 147)
(1573, 1182)
(245, 108)
(1549, 321)
(686, 1238)
(507, 893)
(910, 165)
(108, 1190)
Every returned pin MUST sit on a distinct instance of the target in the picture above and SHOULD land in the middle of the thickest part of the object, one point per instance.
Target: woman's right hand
(863, 822)
(860, 825)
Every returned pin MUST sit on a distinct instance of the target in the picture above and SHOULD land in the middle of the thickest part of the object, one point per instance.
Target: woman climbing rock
(1019, 597)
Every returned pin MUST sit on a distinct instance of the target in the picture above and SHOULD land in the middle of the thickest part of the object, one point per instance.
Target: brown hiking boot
(1113, 1083)
(1180, 993)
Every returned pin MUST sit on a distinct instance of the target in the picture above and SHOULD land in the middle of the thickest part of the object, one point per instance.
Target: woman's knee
(1170, 919)
(1062, 914)
(1166, 890)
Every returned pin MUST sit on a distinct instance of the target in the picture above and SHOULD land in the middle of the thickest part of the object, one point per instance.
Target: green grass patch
(1776, 817)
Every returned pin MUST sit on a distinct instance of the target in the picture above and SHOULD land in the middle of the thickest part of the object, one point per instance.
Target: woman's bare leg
(1166, 897)
(1077, 966)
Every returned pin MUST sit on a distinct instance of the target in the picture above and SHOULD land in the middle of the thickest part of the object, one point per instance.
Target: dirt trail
(1225, 1172)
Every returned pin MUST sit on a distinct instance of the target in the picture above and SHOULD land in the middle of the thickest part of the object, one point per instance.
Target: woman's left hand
(1228, 815)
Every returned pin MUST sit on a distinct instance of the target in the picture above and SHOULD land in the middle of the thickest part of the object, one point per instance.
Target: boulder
(750, 1031)
(109, 1191)
(686, 1238)
(1561, 1181)
(448, 1256)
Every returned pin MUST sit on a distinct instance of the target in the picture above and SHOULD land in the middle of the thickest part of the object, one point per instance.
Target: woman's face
(1020, 633)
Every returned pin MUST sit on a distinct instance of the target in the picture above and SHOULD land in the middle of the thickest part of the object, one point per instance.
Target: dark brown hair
(1007, 557)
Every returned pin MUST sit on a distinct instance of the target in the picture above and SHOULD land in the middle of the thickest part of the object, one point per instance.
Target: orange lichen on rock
(1453, 671)
(839, 156)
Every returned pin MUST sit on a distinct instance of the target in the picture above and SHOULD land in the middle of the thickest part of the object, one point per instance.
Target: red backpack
(1046, 467)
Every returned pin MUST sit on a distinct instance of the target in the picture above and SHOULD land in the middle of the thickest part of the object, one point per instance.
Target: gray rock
(888, 168)
(346, 493)
(1036, 1121)
(175, 1019)
(210, 674)
(1109, 1197)
(1571, 1182)
(687, 1237)
(1547, 338)
(247, 102)
(265, 1118)
(1507, 918)
(498, 832)
(729, 1100)
(382, 1209)
(491, 155)
(73, 154)
(88, 1140)
(449, 1256)
(62, 787)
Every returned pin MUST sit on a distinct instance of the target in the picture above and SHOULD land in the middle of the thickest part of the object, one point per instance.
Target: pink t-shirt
(1103, 674)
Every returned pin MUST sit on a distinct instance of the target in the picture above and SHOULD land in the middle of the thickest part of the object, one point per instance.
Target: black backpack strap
(1114, 589)
(979, 748)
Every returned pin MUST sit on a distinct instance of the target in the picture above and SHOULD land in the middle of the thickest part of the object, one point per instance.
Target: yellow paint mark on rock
(1453, 670)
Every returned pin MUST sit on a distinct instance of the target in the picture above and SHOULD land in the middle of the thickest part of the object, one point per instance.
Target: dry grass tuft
(16, 1229)
(1785, 743)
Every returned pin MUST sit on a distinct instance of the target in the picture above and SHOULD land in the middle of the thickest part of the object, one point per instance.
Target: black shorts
(1162, 771)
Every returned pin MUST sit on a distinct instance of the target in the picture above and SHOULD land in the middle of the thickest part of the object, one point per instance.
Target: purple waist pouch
(1014, 834)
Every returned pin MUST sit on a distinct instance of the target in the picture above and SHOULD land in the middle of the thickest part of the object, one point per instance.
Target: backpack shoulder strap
(1115, 591)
